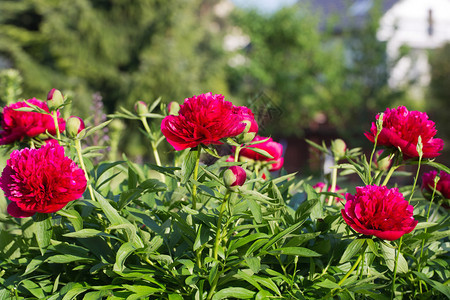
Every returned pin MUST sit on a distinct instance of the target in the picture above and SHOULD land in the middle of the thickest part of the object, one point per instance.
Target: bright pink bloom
(402, 128)
(41, 180)
(320, 187)
(273, 148)
(379, 211)
(246, 115)
(204, 119)
(443, 185)
(17, 125)
(234, 176)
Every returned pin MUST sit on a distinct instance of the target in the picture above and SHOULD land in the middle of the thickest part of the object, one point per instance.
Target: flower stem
(55, 121)
(83, 166)
(219, 225)
(358, 260)
(236, 153)
(333, 182)
(425, 231)
(194, 187)
(152, 142)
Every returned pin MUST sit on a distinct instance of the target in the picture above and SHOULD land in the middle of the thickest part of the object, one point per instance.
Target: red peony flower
(402, 128)
(273, 148)
(41, 180)
(379, 211)
(320, 187)
(17, 125)
(442, 186)
(204, 119)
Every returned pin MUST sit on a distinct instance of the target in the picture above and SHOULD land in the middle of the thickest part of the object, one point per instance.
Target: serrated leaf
(353, 248)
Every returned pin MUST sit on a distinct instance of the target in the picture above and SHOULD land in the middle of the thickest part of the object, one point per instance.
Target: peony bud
(141, 108)
(74, 125)
(173, 108)
(54, 99)
(246, 136)
(338, 148)
(234, 177)
(383, 164)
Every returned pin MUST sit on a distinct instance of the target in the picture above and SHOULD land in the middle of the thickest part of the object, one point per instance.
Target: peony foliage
(221, 219)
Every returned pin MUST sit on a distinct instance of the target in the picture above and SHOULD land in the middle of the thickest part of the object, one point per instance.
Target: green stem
(83, 166)
(425, 231)
(389, 174)
(333, 182)
(353, 267)
(373, 152)
(397, 254)
(152, 142)
(55, 121)
(194, 187)
(236, 153)
(219, 225)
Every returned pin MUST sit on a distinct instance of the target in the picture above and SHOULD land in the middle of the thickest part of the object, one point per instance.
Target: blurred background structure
(319, 69)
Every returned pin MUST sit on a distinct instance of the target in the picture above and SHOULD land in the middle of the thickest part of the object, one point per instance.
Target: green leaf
(110, 212)
(422, 225)
(90, 130)
(141, 291)
(213, 271)
(389, 257)
(124, 251)
(351, 250)
(152, 186)
(234, 293)
(328, 284)
(282, 234)
(255, 209)
(67, 258)
(43, 231)
(297, 251)
(103, 167)
(442, 288)
(74, 218)
(254, 263)
(35, 289)
(188, 165)
(87, 233)
(259, 151)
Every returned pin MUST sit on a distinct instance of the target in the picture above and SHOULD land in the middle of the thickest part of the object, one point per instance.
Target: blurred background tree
(126, 50)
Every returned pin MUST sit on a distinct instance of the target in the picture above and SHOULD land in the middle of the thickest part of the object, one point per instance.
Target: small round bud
(246, 136)
(382, 164)
(173, 108)
(141, 108)
(234, 177)
(54, 99)
(74, 125)
(338, 148)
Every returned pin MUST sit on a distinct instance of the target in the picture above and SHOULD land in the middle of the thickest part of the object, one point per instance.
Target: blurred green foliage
(126, 50)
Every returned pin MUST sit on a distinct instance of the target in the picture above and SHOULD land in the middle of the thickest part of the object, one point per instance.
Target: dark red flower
(442, 186)
(402, 128)
(273, 148)
(379, 211)
(41, 180)
(17, 125)
(204, 119)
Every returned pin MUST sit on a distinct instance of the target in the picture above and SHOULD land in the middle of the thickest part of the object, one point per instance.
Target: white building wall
(421, 25)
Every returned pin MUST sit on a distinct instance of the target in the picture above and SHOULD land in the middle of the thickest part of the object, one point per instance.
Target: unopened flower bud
(141, 108)
(74, 125)
(173, 108)
(234, 177)
(54, 99)
(338, 148)
(382, 164)
(246, 136)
